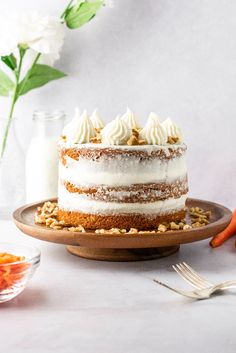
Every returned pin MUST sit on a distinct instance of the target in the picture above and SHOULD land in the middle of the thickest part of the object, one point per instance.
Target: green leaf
(81, 13)
(38, 76)
(10, 61)
(6, 84)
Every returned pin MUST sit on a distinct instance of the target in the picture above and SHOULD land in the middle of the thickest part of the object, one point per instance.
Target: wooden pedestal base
(122, 254)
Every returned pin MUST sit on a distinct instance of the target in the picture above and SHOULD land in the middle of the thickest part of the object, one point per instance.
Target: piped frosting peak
(130, 119)
(97, 121)
(117, 132)
(154, 118)
(154, 133)
(82, 130)
(172, 130)
(122, 130)
(69, 129)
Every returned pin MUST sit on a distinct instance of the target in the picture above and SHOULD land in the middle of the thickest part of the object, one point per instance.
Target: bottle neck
(48, 124)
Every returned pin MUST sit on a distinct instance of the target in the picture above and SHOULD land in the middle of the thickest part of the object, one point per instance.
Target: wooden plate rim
(137, 240)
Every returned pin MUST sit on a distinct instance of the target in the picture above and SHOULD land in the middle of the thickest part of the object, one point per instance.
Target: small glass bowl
(15, 275)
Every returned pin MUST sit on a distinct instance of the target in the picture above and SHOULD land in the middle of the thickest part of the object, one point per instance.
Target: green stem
(28, 74)
(7, 128)
(14, 98)
(35, 60)
(13, 102)
(64, 12)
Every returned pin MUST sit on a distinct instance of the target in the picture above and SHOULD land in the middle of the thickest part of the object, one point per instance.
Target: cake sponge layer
(141, 222)
(84, 204)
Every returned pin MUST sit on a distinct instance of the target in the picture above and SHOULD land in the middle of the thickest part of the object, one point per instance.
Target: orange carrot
(230, 230)
(11, 272)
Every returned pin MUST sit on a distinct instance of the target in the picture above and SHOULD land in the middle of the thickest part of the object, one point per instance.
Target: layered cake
(120, 174)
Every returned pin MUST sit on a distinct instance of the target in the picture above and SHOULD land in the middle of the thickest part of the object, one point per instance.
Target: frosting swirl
(84, 130)
(117, 132)
(153, 117)
(97, 121)
(154, 134)
(130, 119)
(172, 129)
(69, 129)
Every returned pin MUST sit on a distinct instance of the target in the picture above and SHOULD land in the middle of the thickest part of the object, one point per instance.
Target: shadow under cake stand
(124, 247)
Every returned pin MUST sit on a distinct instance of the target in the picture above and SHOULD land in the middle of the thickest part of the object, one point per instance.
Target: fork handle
(227, 285)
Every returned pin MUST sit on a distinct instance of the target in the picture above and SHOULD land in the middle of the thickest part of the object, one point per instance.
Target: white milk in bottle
(42, 156)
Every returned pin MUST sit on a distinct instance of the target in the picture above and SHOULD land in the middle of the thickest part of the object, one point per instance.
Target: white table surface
(79, 305)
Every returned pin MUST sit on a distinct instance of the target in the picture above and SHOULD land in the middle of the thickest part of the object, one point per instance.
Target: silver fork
(204, 288)
(191, 276)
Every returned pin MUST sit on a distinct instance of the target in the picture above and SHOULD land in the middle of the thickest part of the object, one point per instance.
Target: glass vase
(12, 179)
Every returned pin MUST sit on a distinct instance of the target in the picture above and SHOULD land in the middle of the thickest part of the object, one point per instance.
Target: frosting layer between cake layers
(121, 186)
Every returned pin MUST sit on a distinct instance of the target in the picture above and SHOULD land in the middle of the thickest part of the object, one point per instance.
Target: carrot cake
(120, 174)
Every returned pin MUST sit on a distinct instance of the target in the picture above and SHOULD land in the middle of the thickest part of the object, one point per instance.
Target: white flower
(42, 34)
(109, 3)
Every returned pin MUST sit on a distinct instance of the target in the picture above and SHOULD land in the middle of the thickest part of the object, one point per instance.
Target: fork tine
(189, 277)
(182, 274)
(197, 275)
(185, 294)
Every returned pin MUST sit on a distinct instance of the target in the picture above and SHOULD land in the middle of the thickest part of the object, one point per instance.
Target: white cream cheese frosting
(97, 121)
(172, 129)
(69, 129)
(123, 173)
(130, 119)
(153, 117)
(117, 132)
(154, 133)
(83, 204)
(83, 129)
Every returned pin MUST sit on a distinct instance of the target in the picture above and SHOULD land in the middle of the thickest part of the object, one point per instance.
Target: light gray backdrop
(174, 57)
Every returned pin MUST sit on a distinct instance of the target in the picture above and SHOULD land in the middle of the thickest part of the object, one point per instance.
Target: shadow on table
(30, 298)
(199, 255)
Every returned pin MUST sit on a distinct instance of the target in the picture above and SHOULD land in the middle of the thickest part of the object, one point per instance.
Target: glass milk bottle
(42, 156)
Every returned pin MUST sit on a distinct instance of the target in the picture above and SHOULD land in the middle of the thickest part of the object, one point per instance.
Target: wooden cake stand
(124, 247)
